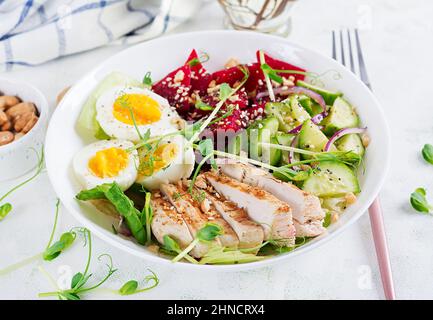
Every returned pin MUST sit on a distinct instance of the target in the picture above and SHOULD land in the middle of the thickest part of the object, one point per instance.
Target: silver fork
(357, 66)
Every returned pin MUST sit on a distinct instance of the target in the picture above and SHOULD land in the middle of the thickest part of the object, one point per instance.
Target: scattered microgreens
(419, 201)
(7, 207)
(51, 251)
(147, 80)
(66, 239)
(80, 279)
(131, 287)
(206, 149)
(171, 247)
(124, 102)
(225, 92)
(427, 153)
(208, 233)
(147, 216)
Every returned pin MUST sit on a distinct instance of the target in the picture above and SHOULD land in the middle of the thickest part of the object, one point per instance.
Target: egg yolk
(108, 163)
(159, 159)
(144, 109)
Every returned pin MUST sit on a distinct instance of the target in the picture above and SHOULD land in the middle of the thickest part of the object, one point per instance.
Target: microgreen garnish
(171, 247)
(225, 92)
(147, 80)
(200, 105)
(204, 57)
(124, 206)
(131, 287)
(147, 216)
(124, 102)
(266, 75)
(419, 201)
(80, 279)
(206, 234)
(7, 207)
(206, 149)
(327, 220)
(427, 153)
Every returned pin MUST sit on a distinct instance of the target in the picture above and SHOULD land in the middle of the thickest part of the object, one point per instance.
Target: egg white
(88, 180)
(181, 167)
(117, 129)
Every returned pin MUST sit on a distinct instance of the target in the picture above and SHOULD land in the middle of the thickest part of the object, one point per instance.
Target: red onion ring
(316, 120)
(296, 90)
(341, 133)
(291, 154)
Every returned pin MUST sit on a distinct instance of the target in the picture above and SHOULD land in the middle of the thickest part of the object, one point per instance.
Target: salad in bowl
(232, 165)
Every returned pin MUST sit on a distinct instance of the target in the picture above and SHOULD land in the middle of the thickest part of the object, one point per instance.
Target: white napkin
(35, 31)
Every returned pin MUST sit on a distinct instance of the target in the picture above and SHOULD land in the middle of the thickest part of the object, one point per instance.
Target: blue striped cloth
(33, 32)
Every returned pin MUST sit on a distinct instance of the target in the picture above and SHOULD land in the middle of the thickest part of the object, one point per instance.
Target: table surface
(400, 68)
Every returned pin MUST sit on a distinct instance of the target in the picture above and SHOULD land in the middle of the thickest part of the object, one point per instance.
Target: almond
(20, 109)
(21, 121)
(6, 126)
(8, 101)
(30, 123)
(3, 117)
(6, 137)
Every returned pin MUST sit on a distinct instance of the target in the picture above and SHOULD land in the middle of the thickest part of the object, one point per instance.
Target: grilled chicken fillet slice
(274, 215)
(229, 238)
(307, 212)
(167, 221)
(193, 217)
(249, 233)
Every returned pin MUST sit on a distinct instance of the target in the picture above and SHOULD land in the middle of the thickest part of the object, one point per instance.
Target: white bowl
(17, 158)
(163, 55)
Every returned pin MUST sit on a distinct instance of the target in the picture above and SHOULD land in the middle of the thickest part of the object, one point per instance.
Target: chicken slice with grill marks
(249, 233)
(274, 215)
(193, 217)
(308, 214)
(167, 221)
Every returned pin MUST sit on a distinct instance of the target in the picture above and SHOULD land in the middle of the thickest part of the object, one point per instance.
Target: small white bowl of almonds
(23, 120)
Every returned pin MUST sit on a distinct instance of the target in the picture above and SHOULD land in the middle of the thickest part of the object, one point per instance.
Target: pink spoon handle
(378, 230)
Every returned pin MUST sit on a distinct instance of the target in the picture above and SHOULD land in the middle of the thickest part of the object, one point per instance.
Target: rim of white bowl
(151, 257)
(43, 114)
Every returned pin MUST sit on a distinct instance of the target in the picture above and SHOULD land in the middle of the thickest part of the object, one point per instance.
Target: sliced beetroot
(200, 78)
(176, 88)
(229, 76)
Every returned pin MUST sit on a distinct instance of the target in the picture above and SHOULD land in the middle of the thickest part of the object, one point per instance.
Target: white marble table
(397, 43)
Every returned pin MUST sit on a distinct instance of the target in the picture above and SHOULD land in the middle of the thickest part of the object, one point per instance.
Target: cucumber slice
(290, 114)
(311, 138)
(328, 96)
(261, 131)
(285, 139)
(271, 155)
(341, 115)
(306, 103)
(332, 179)
(350, 142)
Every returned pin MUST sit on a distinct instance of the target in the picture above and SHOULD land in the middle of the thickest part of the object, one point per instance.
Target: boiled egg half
(106, 161)
(122, 111)
(168, 161)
